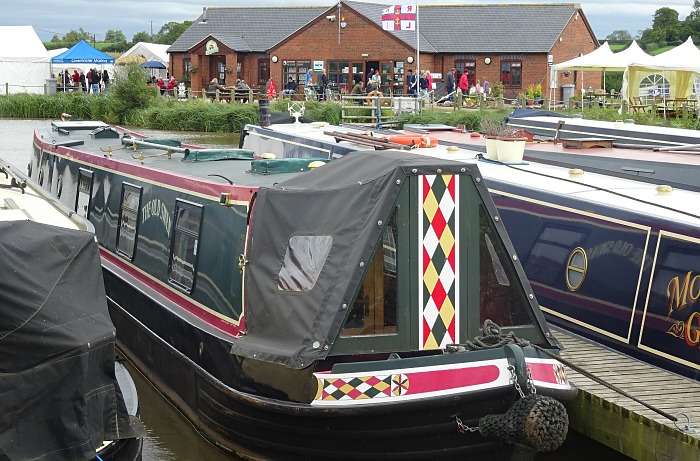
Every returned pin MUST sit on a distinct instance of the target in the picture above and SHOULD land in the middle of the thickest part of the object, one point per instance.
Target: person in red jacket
(464, 83)
(76, 80)
(172, 84)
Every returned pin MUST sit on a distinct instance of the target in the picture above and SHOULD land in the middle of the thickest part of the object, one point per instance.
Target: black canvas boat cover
(59, 397)
(308, 238)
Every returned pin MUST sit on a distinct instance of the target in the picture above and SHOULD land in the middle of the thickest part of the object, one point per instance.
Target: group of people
(464, 87)
(422, 83)
(93, 81)
(168, 88)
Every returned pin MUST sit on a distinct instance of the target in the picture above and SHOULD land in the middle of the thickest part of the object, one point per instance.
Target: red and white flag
(399, 17)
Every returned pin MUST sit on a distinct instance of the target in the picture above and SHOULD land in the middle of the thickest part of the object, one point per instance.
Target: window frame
(82, 172)
(139, 191)
(177, 230)
(511, 62)
(298, 75)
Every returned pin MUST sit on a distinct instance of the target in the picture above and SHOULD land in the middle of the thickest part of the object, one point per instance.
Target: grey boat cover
(59, 397)
(344, 200)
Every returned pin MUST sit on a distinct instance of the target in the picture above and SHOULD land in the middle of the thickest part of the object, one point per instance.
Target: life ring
(413, 140)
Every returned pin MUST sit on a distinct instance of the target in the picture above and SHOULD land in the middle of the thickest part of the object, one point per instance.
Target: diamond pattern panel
(438, 228)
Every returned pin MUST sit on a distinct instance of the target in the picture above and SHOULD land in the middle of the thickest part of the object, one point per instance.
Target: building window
(398, 78)
(82, 201)
(185, 243)
(466, 65)
(512, 73)
(186, 66)
(295, 69)
(128, 220)
(339, 73)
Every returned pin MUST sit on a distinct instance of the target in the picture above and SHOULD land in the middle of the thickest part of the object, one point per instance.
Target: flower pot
(491, 147)
(510, 150)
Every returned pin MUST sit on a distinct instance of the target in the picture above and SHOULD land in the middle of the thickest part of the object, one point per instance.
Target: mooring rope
(493, 338)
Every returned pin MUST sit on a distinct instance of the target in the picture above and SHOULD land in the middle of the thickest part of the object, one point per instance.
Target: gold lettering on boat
(692, 333)
(679, 293)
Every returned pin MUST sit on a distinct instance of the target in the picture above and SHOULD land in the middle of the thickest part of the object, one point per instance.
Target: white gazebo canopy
(679, 66)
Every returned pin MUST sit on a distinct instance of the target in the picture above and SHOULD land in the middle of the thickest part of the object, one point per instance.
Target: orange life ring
(413, 140)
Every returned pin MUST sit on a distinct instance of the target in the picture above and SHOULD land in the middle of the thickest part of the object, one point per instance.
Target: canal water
(170, 437)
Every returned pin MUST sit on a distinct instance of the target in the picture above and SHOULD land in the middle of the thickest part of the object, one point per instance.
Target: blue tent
(82, 53)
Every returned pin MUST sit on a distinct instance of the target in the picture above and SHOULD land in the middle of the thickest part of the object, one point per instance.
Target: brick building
(511, 43)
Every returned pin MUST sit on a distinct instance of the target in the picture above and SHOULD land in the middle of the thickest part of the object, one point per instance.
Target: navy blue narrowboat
(297, 311)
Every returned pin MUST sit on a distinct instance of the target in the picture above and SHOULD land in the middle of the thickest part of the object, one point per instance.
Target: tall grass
(199, 115)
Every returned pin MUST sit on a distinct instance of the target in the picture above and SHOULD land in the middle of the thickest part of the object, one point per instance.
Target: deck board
(620, 422)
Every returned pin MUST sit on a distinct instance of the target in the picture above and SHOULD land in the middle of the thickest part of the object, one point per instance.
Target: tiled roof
(511, 28)
(248, 28)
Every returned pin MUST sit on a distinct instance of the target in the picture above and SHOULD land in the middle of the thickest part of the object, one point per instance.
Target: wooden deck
(621, 423)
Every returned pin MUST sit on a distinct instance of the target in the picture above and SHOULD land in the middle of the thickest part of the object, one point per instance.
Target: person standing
(66, 80)
(96, 77)
(450, 84)
(464, 83)
(324, 84)
(76, 80)
(105, 79)
(411, 84)
(89, 81)
(83, 87)
(309, 79)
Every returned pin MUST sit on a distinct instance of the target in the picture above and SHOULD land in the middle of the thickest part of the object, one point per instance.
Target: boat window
(303, 261)
(374, 310)
(82, 201)
(128, 220)
(502, 299)
(183, 253)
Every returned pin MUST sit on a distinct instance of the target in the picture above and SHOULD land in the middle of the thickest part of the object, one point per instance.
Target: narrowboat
(63, 395)
(368, 307)
(609, 258)
(654, 153)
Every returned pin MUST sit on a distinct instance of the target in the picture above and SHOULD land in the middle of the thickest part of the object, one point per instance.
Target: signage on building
(212, 47)
(318, 66)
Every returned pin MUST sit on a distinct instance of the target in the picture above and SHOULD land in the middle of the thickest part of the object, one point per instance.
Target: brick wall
(361, 40)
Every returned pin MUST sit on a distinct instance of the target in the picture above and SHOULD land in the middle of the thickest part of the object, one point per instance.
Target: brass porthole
(576, 268)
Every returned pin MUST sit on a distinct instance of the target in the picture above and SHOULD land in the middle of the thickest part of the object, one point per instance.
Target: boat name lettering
(679, 293)
(157, 209)
(618, 247)
(692, 335)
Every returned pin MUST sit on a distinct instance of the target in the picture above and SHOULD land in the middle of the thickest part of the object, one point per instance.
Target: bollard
(264, 110)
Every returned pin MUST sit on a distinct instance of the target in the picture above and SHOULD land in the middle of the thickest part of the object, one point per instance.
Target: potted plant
(510, 146)
(491, 130)
(538, 92)
(530, 95)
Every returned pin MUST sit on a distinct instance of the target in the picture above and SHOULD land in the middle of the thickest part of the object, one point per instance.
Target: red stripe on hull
(179, 300)
(440, 380)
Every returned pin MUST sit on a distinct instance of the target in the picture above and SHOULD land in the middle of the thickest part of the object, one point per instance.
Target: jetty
(622, 424)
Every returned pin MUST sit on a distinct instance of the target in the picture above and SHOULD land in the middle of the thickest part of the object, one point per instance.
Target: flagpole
(417, 74)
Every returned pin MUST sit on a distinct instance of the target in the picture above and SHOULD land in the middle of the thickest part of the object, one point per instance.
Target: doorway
(370, 65)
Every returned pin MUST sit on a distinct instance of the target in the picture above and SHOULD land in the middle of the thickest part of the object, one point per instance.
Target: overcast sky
(51, 17)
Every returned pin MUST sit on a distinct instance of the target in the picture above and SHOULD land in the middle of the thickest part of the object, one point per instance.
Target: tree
(170, 32)
(73, 37)
(141, 37)
(115, 36)
(619, 36)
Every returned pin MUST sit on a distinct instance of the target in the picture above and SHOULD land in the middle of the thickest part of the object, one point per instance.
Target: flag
(399, 17)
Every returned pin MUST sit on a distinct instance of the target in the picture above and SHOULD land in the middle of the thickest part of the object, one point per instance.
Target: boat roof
(680, 205)
(21, 199)
(85, 137)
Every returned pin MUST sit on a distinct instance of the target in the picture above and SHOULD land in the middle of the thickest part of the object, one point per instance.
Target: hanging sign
(212, 47)
(318, 66)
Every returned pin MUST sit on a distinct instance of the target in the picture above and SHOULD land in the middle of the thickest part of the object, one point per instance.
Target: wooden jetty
(621, 423)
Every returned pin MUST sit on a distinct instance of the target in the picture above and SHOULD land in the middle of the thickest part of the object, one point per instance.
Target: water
(170, 437)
